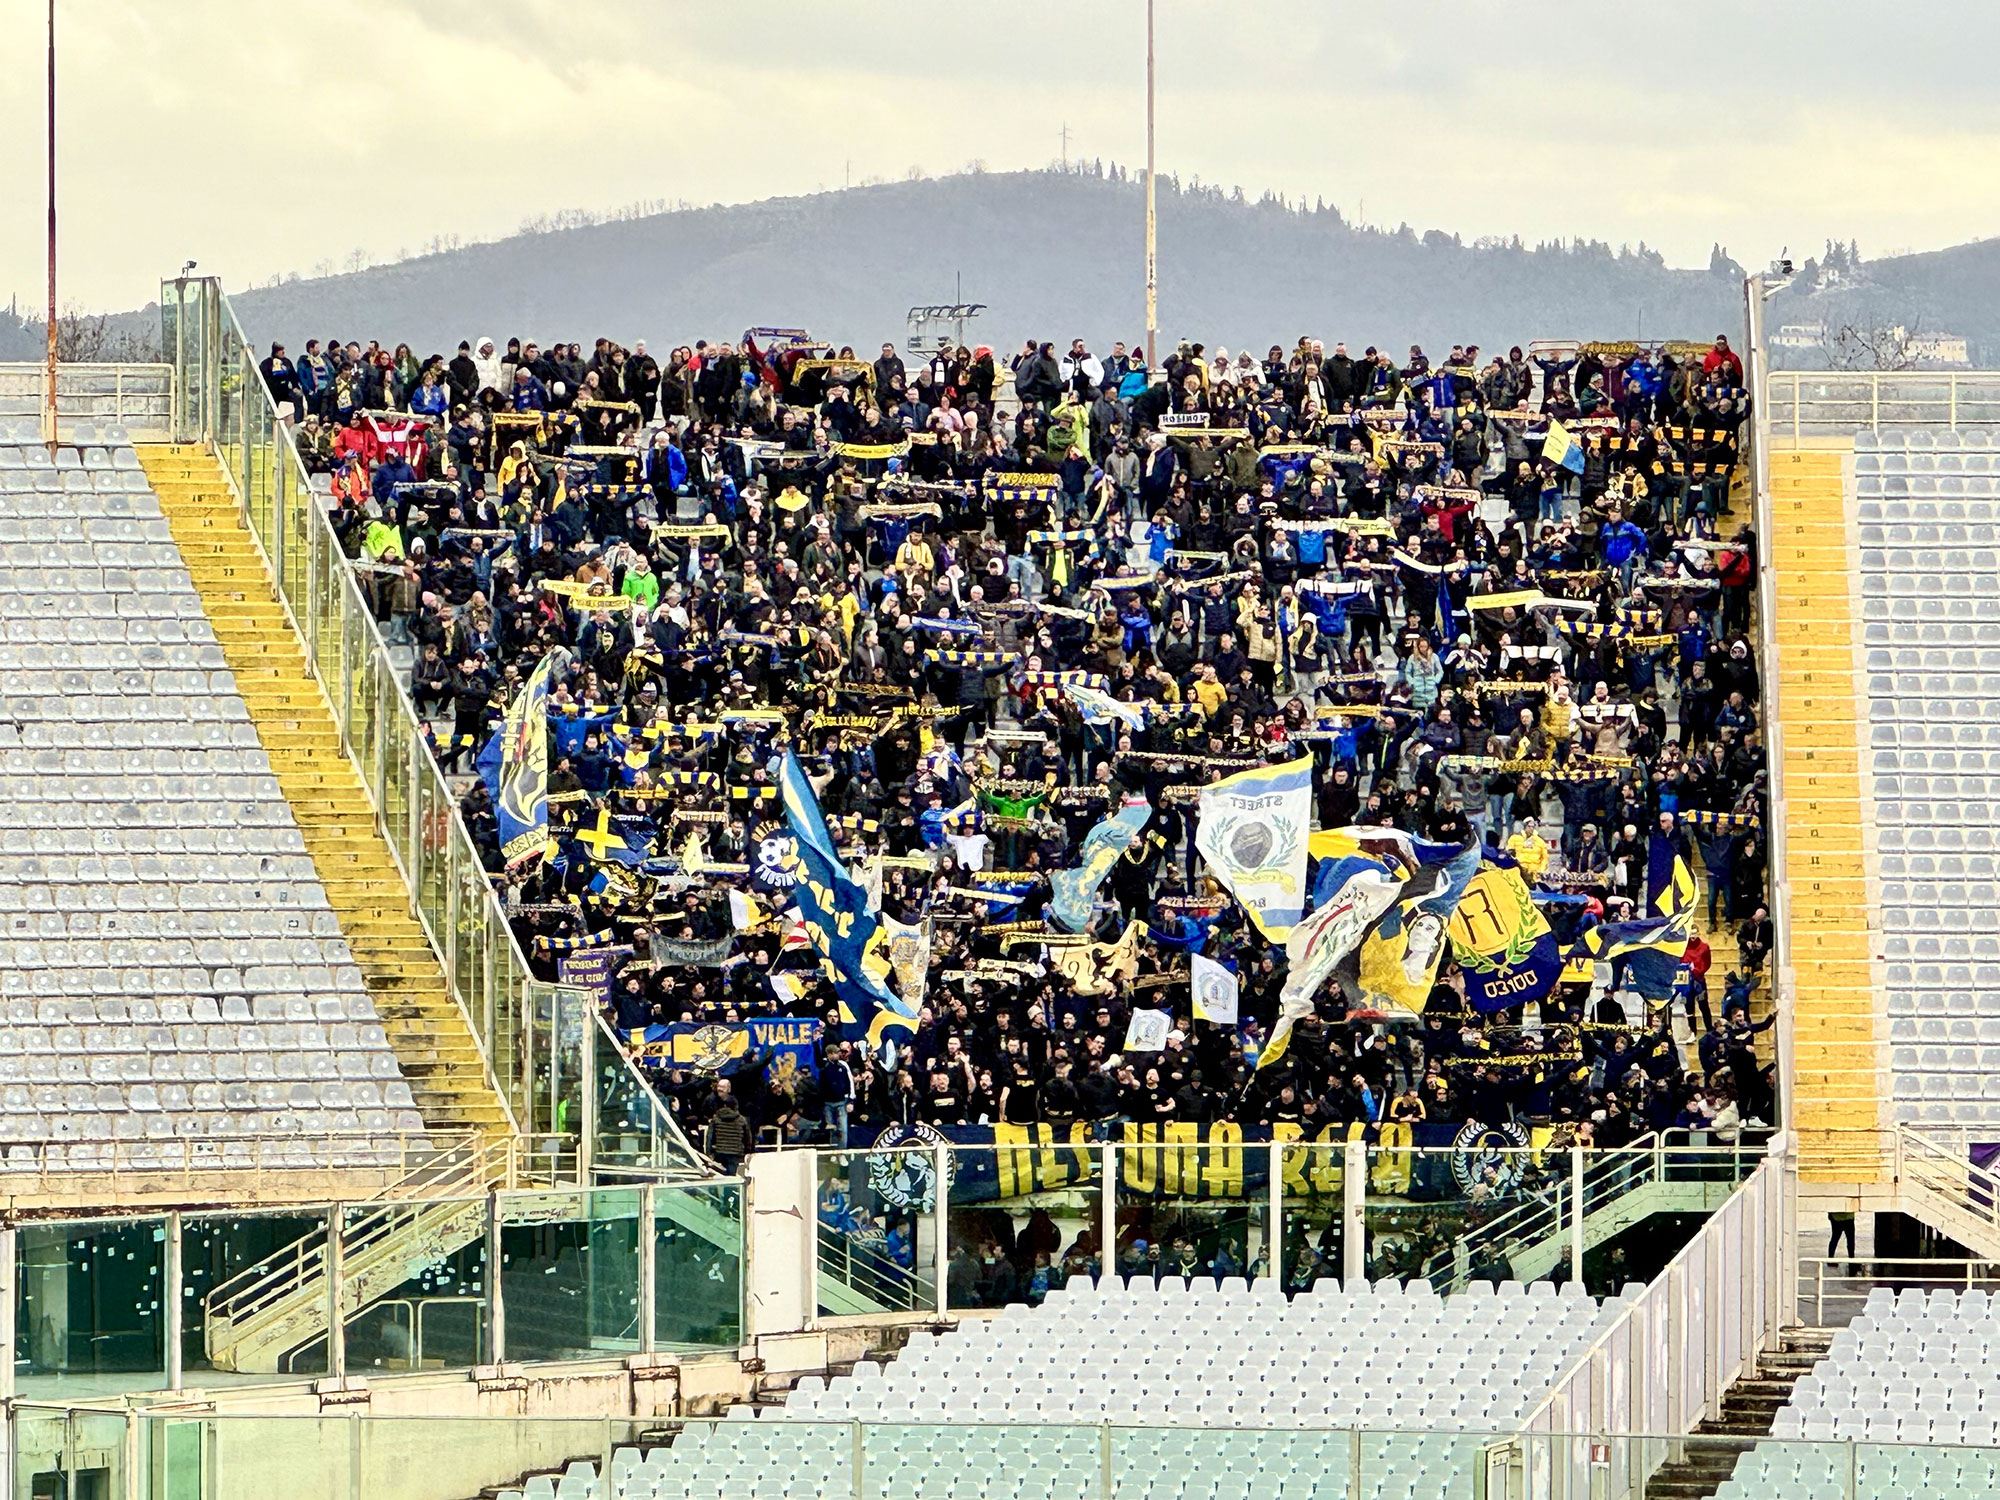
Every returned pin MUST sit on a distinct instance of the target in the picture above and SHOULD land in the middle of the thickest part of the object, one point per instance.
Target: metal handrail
(1620, 1329)
(413, 1319)
(284, 447)
(386, 1163)
(1951, 1176)
(1609, 1175)
(479, 1161)
(1835, 403)
(150, 387)
(874, 1276)
(512, 1093)
(1535, 1219)
(1846, 1281)
(273, 1281)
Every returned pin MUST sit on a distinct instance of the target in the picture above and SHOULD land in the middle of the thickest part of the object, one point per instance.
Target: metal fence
(1833, 1290)
(1297, 1211)
(1666, 1362)
(1838, 403)
(93, 398)
(185, 1452)
(520, 1025)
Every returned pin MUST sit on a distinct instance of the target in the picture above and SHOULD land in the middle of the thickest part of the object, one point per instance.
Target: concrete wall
(780, 1273)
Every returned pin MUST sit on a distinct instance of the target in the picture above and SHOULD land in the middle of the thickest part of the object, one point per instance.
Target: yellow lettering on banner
(1390, 1172)
(1142, 1168)
(1052, 1168)
(1011, 1168)
(1180, 1171)
(1329, 1161)
(1294, 1162)
(1223, 1174)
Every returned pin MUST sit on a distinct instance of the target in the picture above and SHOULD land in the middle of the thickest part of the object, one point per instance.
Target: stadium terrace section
(177, 991)
(808, 703)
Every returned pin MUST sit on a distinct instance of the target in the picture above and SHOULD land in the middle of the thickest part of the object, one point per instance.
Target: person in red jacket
(1721, 365)
(353, 440)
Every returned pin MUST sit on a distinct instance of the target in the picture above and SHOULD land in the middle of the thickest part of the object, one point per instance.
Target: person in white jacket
(486, 360)
(1080, 361)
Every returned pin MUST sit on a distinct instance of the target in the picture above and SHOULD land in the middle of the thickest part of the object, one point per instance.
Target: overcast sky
(261, 138)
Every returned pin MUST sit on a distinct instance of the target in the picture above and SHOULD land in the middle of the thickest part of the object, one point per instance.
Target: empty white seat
(172, 965)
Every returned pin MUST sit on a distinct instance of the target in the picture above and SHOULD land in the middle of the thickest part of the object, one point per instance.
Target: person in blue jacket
(1624, 547)
(529, 392)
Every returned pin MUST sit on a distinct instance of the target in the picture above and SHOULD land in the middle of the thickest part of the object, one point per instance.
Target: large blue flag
(852, 943)
(569, 730)
(1670, 887)
(1502, 941)
(1652, 948)
(1072, 892)
(522, 802)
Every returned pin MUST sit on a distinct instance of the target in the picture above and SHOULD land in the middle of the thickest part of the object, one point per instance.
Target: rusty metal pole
(1152, 256)
(49, 388)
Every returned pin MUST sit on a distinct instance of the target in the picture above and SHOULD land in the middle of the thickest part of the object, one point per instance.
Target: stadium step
(1839, 1060)
(295, 724)
(1749, 1407)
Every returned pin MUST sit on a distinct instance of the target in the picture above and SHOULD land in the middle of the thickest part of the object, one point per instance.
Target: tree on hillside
(93, 338)
(1850, 346)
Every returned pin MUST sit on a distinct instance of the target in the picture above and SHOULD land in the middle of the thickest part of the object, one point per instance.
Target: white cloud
(207, 128)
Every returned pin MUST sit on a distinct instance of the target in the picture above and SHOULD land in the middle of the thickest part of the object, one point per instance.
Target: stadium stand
(1930, 593)
(1216, 1391)
(1909, 1385)
(177, 989)
(1208, 1389)
(1915, 1367)
(1484, 629)
(330, 803)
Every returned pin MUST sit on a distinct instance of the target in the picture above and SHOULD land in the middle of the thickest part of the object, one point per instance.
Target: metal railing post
(10, 1281)
(1107, 1214)
(586, 1139)
(1274, 1249)
(941, 1234)
(1576, 1214)
(648, 1290)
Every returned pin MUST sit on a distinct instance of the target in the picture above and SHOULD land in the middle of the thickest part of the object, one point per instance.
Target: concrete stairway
(1838, 1052)
(1748, 1410)
(295, 722)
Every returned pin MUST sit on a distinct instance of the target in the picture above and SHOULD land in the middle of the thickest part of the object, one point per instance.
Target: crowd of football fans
(884, 564)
